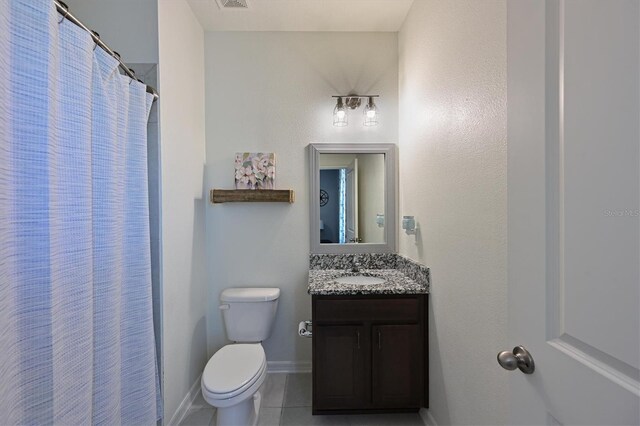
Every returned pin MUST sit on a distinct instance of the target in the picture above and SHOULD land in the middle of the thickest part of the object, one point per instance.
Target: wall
(182, 136)
(272, 92)
(129, 27)
(453, 179)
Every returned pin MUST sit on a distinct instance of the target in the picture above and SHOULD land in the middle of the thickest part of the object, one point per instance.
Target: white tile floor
(286, 401)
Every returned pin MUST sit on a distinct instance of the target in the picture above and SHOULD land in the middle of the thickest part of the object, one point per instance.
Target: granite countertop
(322, 282)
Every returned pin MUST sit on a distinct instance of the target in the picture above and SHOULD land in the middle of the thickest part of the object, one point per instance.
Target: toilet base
(242, 414)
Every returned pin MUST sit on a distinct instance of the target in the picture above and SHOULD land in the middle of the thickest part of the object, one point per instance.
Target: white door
(573, 210)
(351, 208)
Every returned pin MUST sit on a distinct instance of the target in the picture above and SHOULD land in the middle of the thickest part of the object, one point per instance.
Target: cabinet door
(397, 367)
(340, 376)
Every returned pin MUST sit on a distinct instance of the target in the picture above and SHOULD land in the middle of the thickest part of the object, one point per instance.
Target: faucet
(355, 267)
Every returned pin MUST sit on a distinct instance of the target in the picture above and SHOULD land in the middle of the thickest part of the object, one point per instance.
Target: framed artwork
(255, 170)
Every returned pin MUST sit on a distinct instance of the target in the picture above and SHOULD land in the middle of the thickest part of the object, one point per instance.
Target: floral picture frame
(255, 170)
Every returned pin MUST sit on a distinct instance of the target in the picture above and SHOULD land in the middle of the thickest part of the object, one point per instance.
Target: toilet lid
(233, 368)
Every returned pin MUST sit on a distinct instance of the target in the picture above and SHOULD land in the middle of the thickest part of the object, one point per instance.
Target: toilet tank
(249, 313)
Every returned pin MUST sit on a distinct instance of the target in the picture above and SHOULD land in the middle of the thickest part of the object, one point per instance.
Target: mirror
(351, 198)
(353, 204)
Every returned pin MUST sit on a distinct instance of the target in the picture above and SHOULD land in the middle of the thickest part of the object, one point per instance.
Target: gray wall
(453, 160)
(271, 92)
(128, 26)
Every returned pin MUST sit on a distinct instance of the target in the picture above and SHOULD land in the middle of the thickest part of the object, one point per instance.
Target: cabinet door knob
(379, 340)
(358, 335)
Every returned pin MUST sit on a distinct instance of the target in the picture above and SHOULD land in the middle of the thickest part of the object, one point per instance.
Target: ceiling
(304, 15)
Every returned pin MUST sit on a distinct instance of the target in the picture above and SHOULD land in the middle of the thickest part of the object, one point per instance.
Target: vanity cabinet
(369, 353)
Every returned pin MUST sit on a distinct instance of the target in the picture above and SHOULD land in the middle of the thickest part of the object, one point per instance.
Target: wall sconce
(409, 224)
(353, 102)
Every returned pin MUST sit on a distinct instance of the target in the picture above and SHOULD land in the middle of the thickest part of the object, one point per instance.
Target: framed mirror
(353, 198)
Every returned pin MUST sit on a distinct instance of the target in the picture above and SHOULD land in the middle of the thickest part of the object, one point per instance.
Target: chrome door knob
(518, 358)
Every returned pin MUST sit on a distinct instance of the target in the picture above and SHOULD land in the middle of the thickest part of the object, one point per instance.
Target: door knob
(519, 358)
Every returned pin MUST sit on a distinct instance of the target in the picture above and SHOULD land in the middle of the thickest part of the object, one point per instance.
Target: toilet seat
(233, 370)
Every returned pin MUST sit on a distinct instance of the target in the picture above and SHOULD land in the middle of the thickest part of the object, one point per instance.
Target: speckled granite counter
(401, 275)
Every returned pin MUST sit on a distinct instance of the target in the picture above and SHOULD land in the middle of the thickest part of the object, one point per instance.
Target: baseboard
(186, 403)
(427, 418)
(288, 366)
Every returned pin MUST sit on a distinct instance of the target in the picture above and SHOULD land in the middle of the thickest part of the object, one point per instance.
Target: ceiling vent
(233, 4)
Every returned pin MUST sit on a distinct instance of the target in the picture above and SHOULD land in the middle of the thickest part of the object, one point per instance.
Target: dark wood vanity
(369, 353)
(369, 303)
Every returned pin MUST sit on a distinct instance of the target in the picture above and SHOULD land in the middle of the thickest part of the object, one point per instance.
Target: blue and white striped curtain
(76, 321)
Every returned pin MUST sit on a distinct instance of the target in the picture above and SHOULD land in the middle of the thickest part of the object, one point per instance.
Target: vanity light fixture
(353, 101)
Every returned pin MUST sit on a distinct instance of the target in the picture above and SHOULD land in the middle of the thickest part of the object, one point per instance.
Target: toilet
(233, 375)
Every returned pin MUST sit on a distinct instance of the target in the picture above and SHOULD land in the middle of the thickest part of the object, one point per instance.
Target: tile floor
(286, 400)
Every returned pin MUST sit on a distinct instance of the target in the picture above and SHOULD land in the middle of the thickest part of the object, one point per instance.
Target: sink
(359, 280)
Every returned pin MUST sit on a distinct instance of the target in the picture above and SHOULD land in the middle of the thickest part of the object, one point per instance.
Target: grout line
(284, 395)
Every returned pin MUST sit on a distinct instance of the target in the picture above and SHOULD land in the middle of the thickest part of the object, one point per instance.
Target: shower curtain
(76, 322)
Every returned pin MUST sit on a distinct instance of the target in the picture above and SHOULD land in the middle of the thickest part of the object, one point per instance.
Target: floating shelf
(218, 196)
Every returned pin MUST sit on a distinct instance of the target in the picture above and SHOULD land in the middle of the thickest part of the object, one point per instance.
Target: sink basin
(359, 280)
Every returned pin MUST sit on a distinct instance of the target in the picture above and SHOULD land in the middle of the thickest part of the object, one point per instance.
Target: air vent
(233, 4)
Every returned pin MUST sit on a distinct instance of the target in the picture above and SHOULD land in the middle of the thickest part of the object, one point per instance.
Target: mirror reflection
(352, 198)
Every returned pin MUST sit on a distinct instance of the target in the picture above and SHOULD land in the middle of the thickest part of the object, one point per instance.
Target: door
(339, 353)
(397, 366)
(351, 202)
(573, 209)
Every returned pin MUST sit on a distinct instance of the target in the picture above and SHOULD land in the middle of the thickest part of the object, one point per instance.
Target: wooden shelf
(218, 196)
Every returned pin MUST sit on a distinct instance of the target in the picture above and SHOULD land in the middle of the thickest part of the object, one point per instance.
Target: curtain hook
(66, 12)
(134, 75)
(95, 36)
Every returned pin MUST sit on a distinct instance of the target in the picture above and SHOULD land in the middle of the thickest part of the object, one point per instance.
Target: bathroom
(463, 164)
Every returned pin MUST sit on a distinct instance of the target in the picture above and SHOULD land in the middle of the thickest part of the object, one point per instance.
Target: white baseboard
(427, 418)
(288, 366)
(186, 403)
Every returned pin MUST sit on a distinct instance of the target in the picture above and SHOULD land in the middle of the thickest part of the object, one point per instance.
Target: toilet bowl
(234, 374)
(231, 380)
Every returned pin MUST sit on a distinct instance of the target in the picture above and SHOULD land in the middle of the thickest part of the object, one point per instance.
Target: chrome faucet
(355, 267)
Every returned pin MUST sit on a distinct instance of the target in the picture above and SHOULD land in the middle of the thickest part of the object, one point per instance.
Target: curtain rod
(63, 9)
